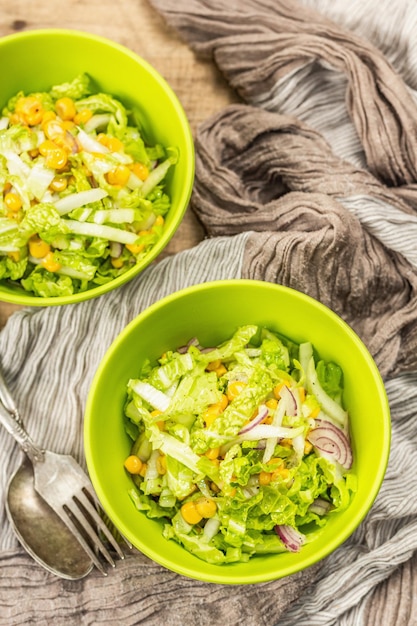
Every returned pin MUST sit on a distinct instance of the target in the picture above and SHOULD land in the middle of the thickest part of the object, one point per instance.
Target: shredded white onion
(97, 120)
(89, 143)
(116, 216)
(77, 200)
(39, 179)
(211, 528)
(329, 406)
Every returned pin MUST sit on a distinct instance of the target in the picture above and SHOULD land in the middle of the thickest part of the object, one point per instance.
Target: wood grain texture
(137, 592)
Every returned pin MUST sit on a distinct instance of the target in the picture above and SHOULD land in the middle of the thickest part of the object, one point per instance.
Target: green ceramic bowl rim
(26, 300)
(226, 576)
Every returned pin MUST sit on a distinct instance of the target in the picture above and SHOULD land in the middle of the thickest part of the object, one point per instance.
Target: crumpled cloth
(309, 182)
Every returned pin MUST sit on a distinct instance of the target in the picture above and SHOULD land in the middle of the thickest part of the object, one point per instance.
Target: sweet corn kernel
(282, 473)
(119, 176)
(59, 183)
(272, 403)
(133, 464)
(286, 443)
(50, 264)
(47, 146)
(114, 145)
(315, 412)
(65, 108)
(206, 507)
(223, 402)
(143, 470)
(215, 488)
(210, 414)
(67, 141)
(12, 201)
(212, 453)
(30, 109)
(221, 370)
(264, 478)
(68, 125)
(159, 221)
(15, 255)
(83, 116)
(47, 116)
(275, 463)
(308, 447)
(135, 248)
(161, 424)
(53, 128)
(214, 410)
(213, 365)
(38, 248)
(117, 263)
(277, 389)
(140, 170)
(190, 513)
(55, 156)
(234, 388)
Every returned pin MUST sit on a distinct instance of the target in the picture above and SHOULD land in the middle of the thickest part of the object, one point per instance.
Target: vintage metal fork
(64, 485)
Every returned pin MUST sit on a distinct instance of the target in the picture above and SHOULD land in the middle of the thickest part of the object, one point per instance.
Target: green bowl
(36, 60)
(211, 312)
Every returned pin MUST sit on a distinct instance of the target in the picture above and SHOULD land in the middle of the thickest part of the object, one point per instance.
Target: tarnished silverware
(62, 492)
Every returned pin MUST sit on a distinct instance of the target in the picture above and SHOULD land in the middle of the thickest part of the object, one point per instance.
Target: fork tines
(87, 523)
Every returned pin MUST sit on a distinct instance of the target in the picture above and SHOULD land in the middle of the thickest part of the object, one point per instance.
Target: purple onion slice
(290, 537)
(291, 403)
(332, 441)
(259, 417)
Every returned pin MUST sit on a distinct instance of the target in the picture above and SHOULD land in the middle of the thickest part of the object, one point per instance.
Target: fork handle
(16, 429)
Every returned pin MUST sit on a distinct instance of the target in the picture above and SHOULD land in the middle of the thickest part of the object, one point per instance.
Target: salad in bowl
(83, 196)
(240, 449)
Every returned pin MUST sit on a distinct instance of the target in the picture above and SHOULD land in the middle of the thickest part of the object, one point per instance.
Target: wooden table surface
(202, 92)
